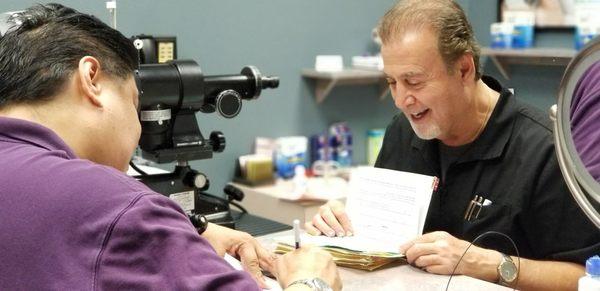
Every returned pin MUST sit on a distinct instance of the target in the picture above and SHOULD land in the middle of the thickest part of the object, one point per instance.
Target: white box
(329, 63)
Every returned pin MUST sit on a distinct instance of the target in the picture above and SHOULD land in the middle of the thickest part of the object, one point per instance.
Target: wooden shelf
(503, 58)
(326, 81)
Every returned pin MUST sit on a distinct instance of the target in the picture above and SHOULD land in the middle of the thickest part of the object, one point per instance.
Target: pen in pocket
(474, 208)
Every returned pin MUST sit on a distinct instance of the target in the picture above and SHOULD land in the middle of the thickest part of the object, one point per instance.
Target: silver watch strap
(316, 284)
(303, 282)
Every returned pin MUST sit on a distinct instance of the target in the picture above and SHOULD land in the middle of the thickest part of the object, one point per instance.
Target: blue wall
(281, 38)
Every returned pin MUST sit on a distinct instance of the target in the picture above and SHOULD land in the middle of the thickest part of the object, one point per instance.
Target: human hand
(306, 263)
(242, 246)
(438, 252)
(331, 220)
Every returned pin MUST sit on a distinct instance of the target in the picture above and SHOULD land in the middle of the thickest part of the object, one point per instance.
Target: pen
(475, 206)
(297, 232)
(479, 204)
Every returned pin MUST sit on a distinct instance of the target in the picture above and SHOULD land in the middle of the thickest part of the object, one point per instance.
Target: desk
(398, 278)
(269, 202)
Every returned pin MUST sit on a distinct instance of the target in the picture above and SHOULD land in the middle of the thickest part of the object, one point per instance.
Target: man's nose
(409, 100)
(403, 98)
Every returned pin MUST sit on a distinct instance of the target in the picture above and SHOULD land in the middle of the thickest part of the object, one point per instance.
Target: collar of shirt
(494, 137)
(26, 132)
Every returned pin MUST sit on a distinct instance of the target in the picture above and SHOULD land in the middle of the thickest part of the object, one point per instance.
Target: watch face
(508, 271)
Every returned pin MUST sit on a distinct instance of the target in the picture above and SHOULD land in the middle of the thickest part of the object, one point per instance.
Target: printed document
(387, 208)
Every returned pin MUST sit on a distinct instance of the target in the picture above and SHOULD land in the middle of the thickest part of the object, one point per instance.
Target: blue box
(522, 36)
(502, 35)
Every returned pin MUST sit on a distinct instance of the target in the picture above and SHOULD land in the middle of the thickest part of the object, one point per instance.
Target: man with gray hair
(485, 145)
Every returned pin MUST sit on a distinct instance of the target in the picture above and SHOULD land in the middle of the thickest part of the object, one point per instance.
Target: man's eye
(391, 81)
(412, 83)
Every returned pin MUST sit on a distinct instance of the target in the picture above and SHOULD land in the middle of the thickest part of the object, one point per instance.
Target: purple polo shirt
(70, 224)
(585, 117)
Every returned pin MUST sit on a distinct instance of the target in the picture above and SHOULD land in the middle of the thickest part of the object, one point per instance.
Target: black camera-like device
(170, 94)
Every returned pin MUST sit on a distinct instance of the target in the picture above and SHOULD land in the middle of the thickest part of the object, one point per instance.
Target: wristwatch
(315, 283)
(507, 271)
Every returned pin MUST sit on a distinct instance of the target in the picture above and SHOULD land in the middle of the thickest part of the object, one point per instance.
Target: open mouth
(419, 115)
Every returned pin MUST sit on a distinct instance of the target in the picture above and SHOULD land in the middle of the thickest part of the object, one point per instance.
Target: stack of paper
(387, 208)
(343, 256)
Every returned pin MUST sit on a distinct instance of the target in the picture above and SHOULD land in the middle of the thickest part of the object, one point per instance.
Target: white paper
(355, 243)
(273, 284)
(387, 208)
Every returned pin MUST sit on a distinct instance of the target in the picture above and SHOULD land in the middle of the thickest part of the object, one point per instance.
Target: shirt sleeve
(152, 245)
(556, 226)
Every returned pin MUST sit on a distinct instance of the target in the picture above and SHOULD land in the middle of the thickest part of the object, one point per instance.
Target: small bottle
(591, 280)
(300, 182)
(374, 142)
(345, 149)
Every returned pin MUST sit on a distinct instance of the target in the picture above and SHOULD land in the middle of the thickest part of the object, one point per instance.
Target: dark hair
(445, 17)
(40, 54)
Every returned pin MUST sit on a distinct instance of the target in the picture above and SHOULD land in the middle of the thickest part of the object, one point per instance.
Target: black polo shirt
(512, 164)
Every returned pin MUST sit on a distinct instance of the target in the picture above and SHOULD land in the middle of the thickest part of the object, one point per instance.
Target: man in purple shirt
(585, 113)
(71, 219)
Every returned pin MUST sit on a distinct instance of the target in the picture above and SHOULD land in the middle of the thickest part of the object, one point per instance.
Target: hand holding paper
(387, 208)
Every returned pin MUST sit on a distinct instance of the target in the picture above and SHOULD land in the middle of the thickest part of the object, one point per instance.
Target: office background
(282, 38)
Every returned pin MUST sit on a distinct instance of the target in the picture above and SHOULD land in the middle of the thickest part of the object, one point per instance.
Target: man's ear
(88, 71)
(466, 67)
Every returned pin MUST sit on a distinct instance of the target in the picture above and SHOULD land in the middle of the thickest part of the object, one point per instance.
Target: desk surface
(398, 278)
(318, 190)
(270, 201)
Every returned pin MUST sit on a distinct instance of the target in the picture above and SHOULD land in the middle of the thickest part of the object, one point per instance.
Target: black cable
(481, 236)
(239, 206)
(226, 201)
(137, 169)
